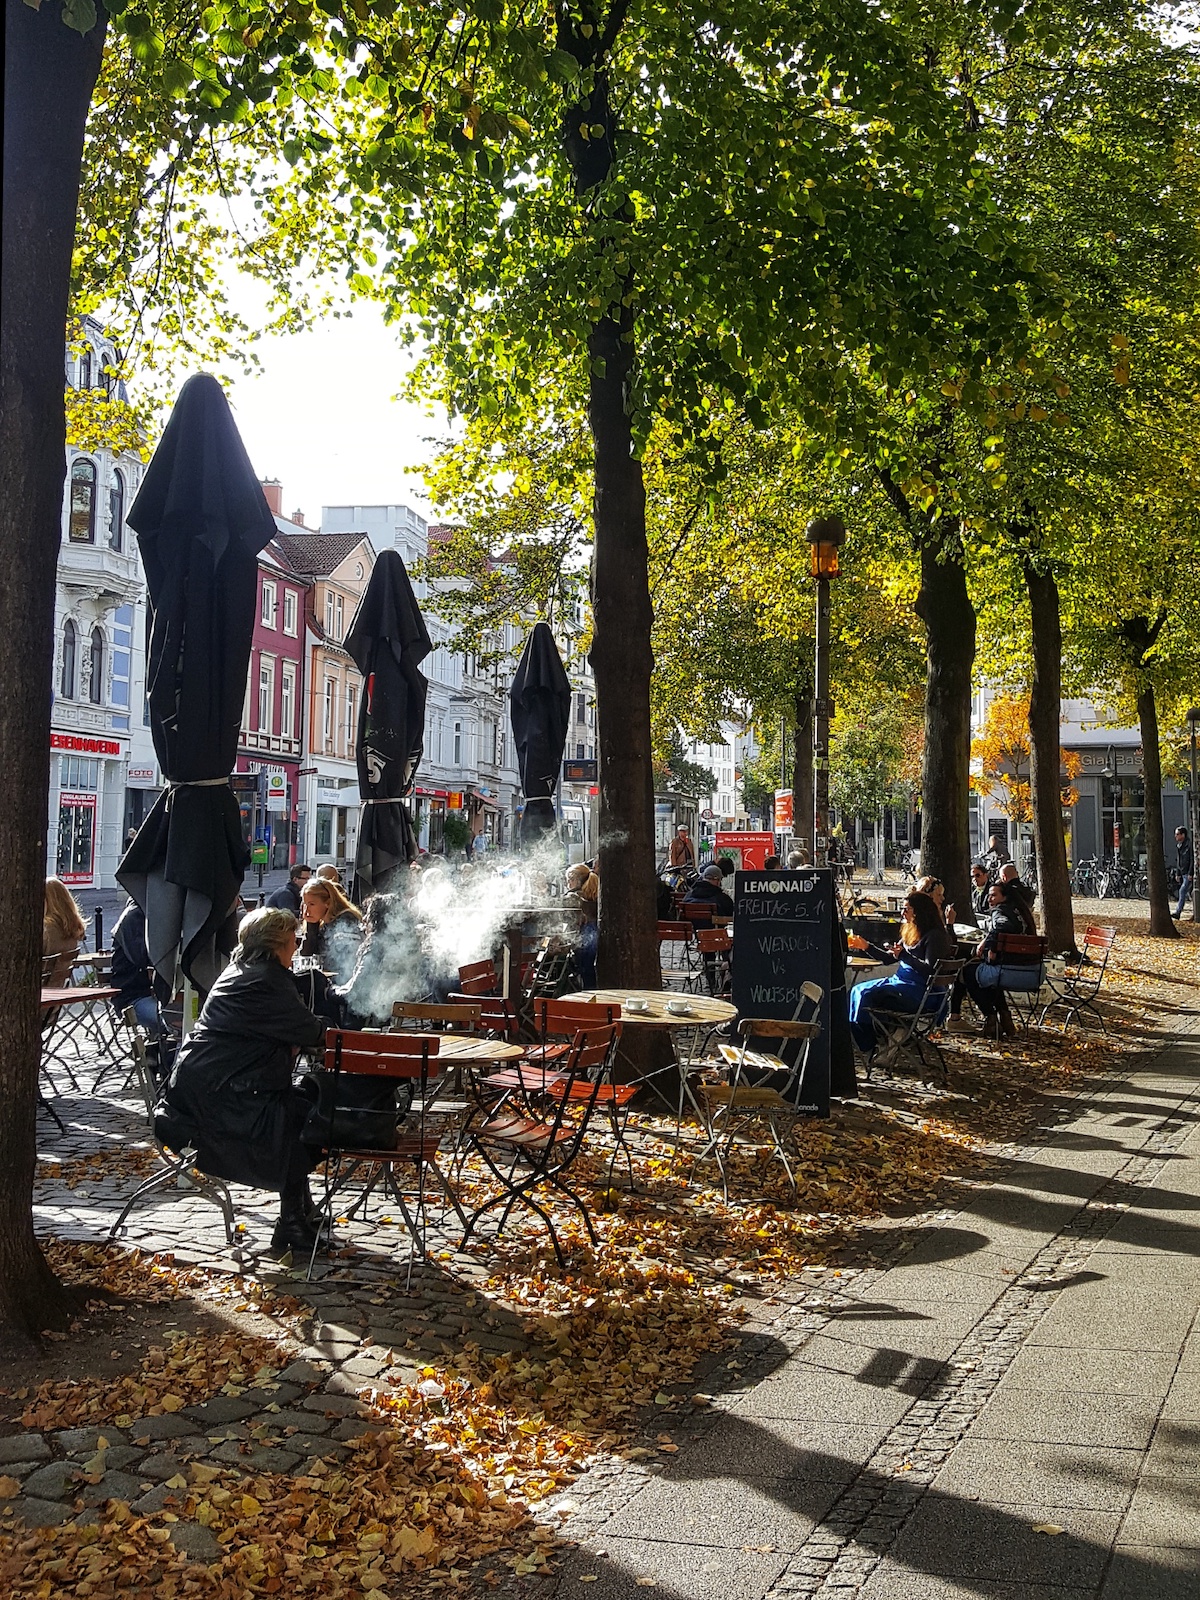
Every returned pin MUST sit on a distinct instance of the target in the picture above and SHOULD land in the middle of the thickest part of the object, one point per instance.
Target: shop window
(82, 526)
(76, 837)
(116, 512)
(70, 661)
(96, 678)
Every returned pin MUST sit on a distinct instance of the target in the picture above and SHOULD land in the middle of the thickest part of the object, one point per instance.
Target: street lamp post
(1193, 722)
(826, 535)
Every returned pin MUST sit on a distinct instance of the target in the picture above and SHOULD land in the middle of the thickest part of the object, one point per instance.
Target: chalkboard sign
(783, 932)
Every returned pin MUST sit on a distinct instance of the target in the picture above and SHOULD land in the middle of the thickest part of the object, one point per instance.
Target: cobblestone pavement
(1011, 1410)
(1006, 1406)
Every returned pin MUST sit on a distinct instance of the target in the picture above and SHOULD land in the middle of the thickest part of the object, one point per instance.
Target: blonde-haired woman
(230, 1092)
(332, 927)
(63, 930)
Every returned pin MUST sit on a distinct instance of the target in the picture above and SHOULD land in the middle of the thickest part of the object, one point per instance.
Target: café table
(65, 1011)
(703, 1016)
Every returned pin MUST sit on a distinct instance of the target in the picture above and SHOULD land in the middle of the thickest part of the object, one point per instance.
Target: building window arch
(70, 661)
(116, 512)
(96, 675)
(82, 526)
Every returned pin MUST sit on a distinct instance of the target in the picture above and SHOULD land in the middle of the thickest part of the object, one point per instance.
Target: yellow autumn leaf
(9, 1488)
(250, 1506)
(172, 1402)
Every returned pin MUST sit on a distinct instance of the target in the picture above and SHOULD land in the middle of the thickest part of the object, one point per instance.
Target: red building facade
(270, 746)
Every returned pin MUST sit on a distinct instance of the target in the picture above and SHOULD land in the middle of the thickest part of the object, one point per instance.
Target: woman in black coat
(230, 1093)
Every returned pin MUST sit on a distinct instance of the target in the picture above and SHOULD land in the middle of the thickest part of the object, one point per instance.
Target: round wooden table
(701, 1009)
(468, 1047)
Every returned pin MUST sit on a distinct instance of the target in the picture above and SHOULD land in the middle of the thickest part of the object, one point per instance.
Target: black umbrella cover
(387, 642)
(201, 519)
(540, 707)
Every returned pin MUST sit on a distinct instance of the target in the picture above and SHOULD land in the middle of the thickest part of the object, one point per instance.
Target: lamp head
(1193, 719)
(826, 535)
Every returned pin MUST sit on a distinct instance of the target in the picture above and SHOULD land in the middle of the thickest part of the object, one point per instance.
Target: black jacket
(287, 898)
(130, 970)
(979, 901)
(230, 1092)
(1006, 918)
(704, 893)
(932, 947)
(1183, 856)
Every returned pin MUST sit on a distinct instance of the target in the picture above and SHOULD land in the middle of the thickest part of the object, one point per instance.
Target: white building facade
(103, 771)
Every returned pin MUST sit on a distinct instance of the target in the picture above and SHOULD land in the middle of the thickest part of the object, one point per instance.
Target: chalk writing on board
(778, 944)
(765, 910)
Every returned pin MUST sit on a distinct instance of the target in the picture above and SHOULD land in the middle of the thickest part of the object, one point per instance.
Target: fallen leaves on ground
(462, 1454)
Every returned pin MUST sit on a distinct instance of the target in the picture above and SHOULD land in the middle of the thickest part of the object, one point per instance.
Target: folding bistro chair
(556, 1022)
(1076, 987)
(450, 1017)
(898, 1030)
(478, 978)
(715, 949)
(675, 954)
(611, 1097)
(179, 1170)
(527, 1152)
(749, 1096)
(1022, 971)
(402, 1058)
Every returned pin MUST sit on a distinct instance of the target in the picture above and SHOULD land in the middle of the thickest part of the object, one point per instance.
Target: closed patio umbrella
(387, 642)
(540, 706)
(201, 519)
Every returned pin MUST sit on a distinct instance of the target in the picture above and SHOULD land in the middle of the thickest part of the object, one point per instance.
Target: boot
(1008, 1027)
(293, 1231)
(312, 1211)
(991, 1026)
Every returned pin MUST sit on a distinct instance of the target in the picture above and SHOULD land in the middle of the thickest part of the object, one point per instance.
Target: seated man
(131, 976)
(1011, 878)
(288, 898)
(707, 890)
(981, 882)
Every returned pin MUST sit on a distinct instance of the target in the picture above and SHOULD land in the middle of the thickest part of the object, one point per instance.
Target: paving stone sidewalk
(899, 1433)
(1010, 1412)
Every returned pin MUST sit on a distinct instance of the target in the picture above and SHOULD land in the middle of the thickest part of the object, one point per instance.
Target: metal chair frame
(400, 1057)
(180, 1170)
(749, 1100)
(1075, 990)
(1020, 952)
(896, 1030)
(524, 1154)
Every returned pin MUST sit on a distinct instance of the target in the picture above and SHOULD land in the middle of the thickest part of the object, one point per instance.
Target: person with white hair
(230, 1092)
(707, 890)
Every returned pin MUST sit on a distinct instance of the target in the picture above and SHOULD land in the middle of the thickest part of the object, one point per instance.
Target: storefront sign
(142, 777)
(78, 741)
(783, 931)
(748, 850)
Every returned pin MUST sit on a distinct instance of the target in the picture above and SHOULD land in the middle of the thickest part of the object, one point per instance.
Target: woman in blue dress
(924, 941)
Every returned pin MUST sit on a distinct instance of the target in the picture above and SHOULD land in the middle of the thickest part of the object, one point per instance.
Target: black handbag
(353, 1113)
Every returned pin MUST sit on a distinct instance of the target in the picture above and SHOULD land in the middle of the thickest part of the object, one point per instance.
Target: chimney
(298, 518)
(273, 490)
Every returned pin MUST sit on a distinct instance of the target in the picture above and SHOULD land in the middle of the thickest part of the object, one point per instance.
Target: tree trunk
(49, 74)
(1045, 762)
(622, 661)
(802, 766)
(949, 617)
(1162, 925)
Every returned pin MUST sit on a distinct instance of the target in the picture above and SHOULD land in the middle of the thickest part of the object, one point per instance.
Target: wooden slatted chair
(402, 1058)
(526, 1152)
(715, 949)
(762, 1087)
(556, 1023)
(1022, 971)
(676, 956)
(1075, 989)
(479, 978)
(900, 1030)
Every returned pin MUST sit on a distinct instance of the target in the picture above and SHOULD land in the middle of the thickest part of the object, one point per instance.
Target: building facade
(469, 764)
(103, 772)
(336, 568)
(271, 743)
(1109, 817)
